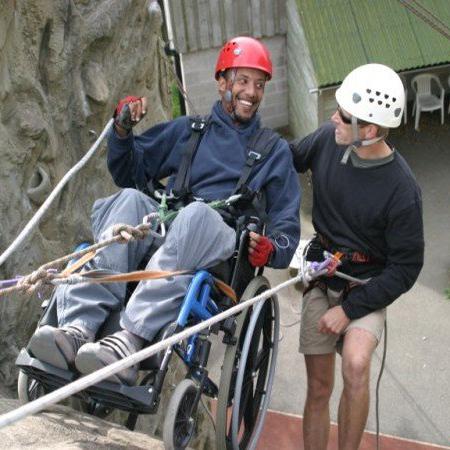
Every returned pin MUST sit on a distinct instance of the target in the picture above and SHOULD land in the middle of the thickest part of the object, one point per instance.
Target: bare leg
(359, 346)
(316, 418)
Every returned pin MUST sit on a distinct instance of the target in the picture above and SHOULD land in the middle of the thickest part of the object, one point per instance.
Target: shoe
(95, 356)
(58, 346)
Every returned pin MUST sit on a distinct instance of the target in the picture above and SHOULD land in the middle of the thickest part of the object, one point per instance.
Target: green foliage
(447, 293)
(176, 109)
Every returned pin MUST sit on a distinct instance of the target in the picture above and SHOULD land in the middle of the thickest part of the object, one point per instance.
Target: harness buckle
(158, 194)
(254, 155)
(198, 125)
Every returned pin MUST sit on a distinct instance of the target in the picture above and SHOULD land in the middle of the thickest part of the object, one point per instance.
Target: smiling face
(247, 90)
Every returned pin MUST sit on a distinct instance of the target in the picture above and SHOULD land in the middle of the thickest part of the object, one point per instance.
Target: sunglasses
(346, 119)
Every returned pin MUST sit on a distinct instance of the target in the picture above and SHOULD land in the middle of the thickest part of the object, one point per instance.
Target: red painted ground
(284, 432)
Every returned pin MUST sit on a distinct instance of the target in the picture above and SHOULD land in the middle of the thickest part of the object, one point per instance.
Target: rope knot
(129, 233)
(35, 279)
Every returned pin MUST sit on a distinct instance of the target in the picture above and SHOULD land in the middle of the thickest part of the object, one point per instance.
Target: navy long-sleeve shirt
(216, 169)
(376, 210)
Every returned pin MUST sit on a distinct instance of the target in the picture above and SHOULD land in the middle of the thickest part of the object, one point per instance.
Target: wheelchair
(243, 393)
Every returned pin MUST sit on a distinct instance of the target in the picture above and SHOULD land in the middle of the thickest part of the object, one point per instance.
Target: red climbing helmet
(244, 51)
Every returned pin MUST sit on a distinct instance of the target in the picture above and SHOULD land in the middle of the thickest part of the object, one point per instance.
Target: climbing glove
(122, 114)
(261, 252)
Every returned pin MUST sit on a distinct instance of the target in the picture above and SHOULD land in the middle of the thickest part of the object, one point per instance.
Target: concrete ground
(415, 387)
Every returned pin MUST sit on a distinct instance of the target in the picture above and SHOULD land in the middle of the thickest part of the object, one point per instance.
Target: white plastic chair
(425, 100)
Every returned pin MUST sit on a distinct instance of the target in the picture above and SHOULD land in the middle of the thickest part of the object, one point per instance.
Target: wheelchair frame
(246, 380)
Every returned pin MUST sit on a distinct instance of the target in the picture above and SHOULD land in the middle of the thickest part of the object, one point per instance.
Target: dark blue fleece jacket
(216, 168)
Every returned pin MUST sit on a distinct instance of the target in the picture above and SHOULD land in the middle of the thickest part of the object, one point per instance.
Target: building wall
(303, 105)
(201, 87)
(201, 27)
(203, 24)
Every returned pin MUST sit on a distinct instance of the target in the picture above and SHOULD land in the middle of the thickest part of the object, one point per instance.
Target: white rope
(95, 377)
(45, 206)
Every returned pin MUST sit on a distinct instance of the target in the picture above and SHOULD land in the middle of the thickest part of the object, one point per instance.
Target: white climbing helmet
(373, 93)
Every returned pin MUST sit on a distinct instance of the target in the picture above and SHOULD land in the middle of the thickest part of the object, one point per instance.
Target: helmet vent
(394, 99)
(356, 98)
(377, 92)
(380, 102)
(386, 96)
(397, 112)
(388, 105)
(371, 100)
(368, 91)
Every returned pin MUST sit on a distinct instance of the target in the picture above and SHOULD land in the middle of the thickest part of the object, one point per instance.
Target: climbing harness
(259, 146)
(181, 186)
(347, 254)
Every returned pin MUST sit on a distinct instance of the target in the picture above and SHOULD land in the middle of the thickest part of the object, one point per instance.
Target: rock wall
(63, 66)
(61, 427)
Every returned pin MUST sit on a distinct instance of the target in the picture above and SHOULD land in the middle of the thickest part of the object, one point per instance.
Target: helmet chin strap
(357, 142)
(228, 96)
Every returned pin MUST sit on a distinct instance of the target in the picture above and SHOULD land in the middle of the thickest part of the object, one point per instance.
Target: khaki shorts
(315, 305)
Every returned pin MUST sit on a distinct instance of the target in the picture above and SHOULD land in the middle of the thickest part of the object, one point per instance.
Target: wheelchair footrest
(50, 377)
(137, 399)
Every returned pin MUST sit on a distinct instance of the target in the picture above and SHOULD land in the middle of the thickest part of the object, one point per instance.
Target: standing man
(366, 205)
(224, 161)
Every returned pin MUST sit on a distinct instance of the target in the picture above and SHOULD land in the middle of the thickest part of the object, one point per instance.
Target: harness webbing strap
(225, 289)
(259, 146)
(181, 185)
(349, 254)
(99, 276)
(78, 263)
(96, 276)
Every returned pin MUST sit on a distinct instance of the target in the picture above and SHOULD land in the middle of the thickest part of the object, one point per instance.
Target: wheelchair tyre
(179, 422)
(247, 373)
(28, 389)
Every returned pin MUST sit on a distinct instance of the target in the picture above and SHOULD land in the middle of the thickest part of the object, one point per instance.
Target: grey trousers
(197, 238)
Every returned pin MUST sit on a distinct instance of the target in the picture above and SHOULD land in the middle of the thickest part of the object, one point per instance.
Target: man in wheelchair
(204, 159)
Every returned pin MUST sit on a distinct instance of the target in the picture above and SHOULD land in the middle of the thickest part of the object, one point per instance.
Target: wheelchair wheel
(179, 422)
(247, 373)
(28, 389)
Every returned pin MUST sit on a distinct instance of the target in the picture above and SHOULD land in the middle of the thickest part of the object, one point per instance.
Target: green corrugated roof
(343, 34)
